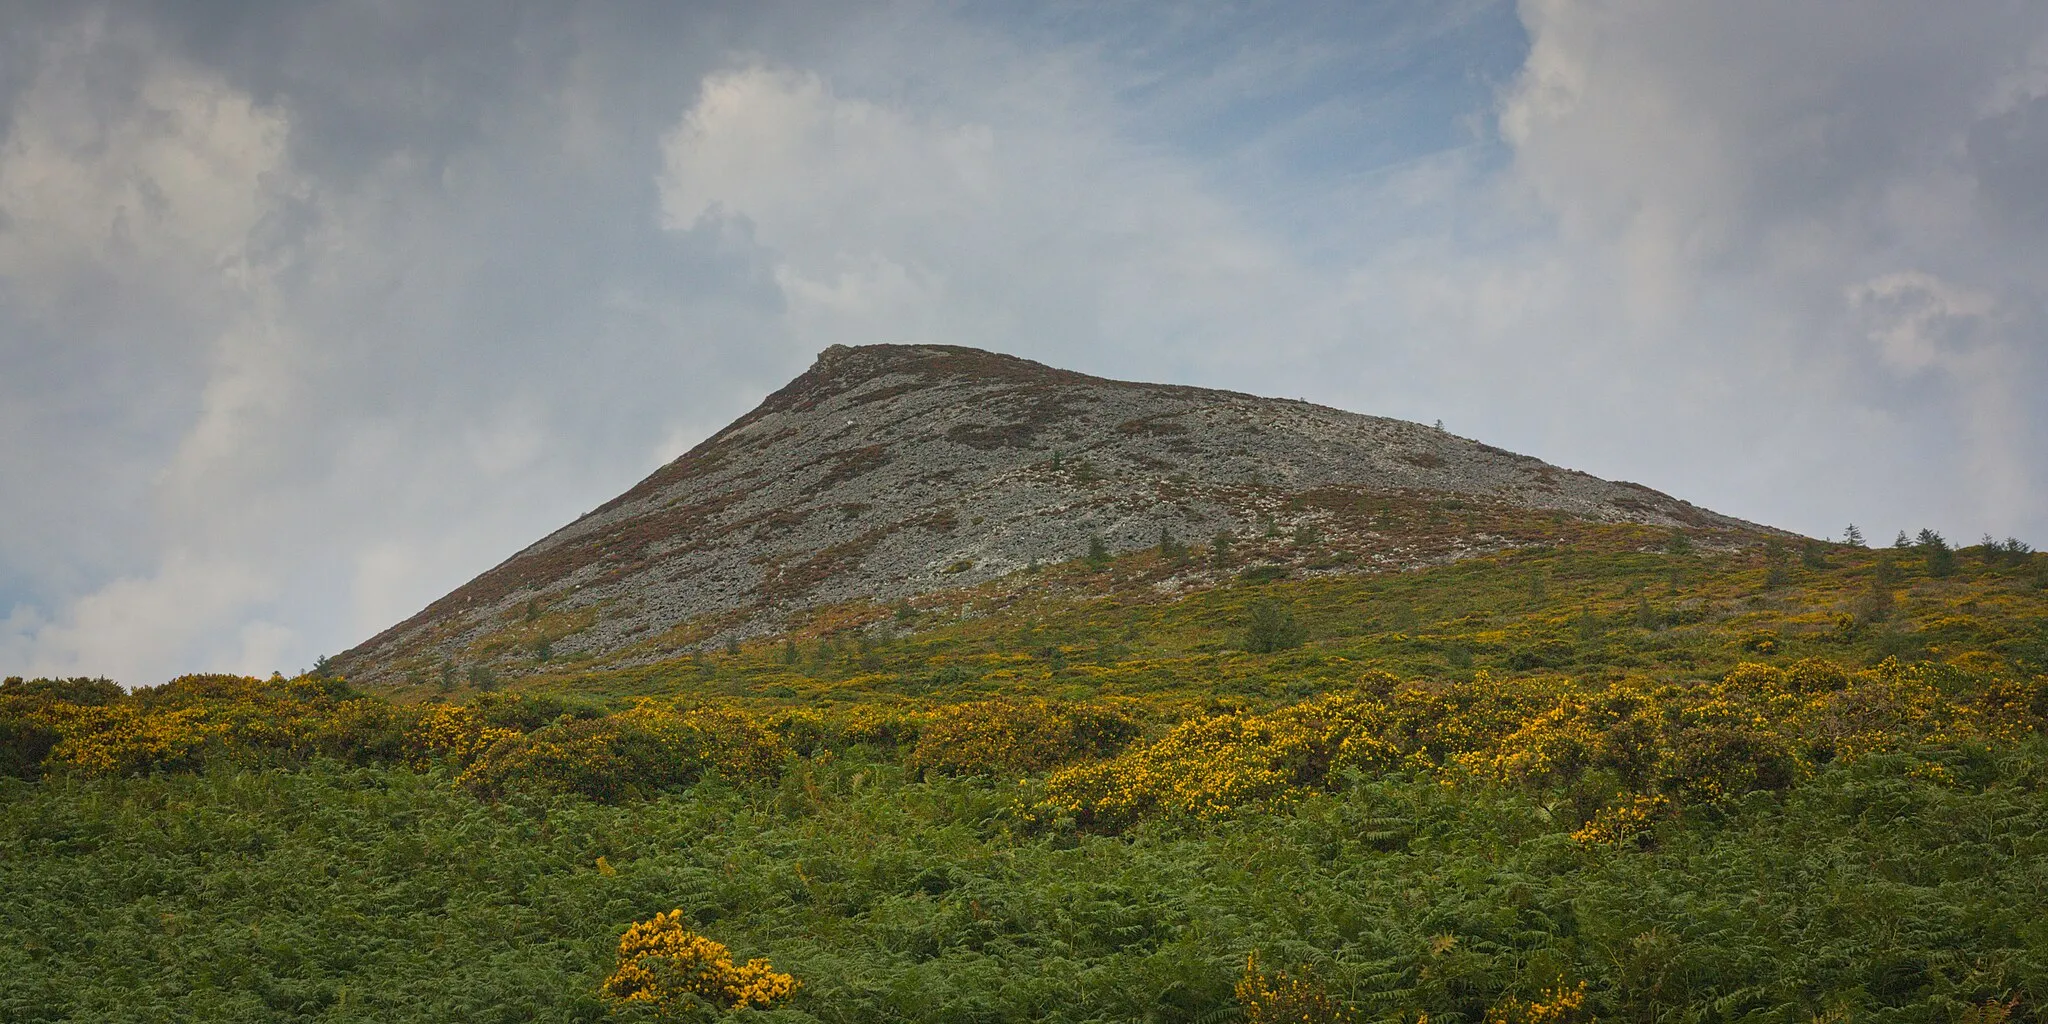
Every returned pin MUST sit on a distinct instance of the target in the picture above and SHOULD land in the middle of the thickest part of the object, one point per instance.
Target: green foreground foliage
(1626, 779)
(334, 893)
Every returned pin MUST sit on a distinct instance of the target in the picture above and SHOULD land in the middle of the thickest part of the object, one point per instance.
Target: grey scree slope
(889, 471)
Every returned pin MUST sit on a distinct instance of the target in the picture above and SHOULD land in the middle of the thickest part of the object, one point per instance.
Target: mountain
(886, 472)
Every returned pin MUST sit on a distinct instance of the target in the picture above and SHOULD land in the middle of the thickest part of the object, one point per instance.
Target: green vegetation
(1622, 777)
(1272, 627)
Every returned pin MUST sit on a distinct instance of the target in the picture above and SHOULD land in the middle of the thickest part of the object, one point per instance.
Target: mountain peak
(888, 471)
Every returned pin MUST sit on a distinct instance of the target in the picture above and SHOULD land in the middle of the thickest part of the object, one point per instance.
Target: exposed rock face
(887, 471)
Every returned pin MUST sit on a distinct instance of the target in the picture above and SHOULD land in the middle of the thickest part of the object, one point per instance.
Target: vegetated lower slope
(893, 471)
(1615, 776)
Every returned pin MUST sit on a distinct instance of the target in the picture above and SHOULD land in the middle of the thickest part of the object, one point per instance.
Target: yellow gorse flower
(1557, 1005)
(669, 966)
(1758, 727)
(1281, 997)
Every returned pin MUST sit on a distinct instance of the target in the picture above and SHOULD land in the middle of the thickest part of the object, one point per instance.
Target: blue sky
(311, 312)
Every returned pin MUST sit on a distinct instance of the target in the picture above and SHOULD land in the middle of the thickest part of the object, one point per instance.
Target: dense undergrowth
(1617, 781)
(1876, 891)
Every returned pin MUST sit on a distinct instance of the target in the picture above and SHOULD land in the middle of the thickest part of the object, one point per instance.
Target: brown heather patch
(782, 582)
(1152, 426)
(849, 465)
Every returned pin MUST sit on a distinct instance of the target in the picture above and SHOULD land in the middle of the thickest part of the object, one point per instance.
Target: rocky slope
(889, 471)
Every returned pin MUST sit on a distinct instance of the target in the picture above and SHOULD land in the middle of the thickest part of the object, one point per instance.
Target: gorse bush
(1607, 745)
(1558, 1005)
(1215, 764)
(194, 720)
(677, 972)
(634, 753)
(1020, 736)
(498, 743)
(1642, 750)
(1282, 997)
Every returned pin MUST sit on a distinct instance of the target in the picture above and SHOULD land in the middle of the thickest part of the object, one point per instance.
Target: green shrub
(1272, 627)
(24, 745)
(1716, 763)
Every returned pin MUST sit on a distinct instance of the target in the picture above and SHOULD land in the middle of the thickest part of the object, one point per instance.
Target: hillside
(886, 472)
(1614, 776)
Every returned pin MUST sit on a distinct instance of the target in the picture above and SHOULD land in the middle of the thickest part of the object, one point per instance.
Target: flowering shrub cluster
(1019, 736)
(1631, 750)
(500, 742)
(193, 719)
(1279, 997)
(675, 970)
(1557, 1005)
(456, 733)
(1213, 764)
(1627, 752)
(808, 730)
(1621, 823)
(650, 747)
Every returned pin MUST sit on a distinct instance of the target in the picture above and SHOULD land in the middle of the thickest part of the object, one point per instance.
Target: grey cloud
(453, 324)
(2009, 159)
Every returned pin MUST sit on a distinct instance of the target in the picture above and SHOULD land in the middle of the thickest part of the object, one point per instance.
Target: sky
(311, 312)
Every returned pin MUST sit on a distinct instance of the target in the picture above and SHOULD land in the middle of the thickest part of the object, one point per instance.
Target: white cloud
(1790, 192)
(143, 192)
(1038, 231)
(190, 614)
(291, 391)
(1918, 321)
(162, 182)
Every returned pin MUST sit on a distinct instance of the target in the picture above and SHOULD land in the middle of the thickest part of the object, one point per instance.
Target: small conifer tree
(1852, 536)
(1170, 548)
(1219, 548)
(1941, 559)
(1098, 552)
(1876, 603)
(1812, 555)
(2016, 550)
(1778, 572)
(1272, 628)
(1646, 616)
